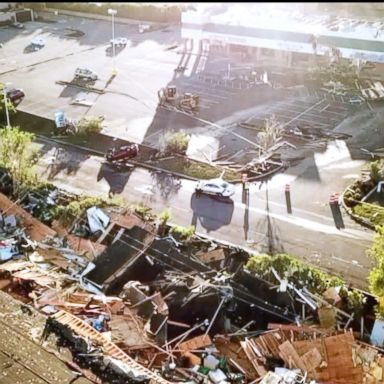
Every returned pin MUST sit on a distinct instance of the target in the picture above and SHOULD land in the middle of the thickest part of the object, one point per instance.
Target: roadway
(129, 105)
(261, 226)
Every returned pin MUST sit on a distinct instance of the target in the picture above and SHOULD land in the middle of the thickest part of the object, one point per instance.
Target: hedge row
(136, 11)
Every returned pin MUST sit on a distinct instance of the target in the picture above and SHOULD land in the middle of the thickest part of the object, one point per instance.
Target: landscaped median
(361, 199)
(148, 157)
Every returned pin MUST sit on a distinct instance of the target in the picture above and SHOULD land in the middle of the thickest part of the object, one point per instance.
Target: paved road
(130, 107)
(262, 226)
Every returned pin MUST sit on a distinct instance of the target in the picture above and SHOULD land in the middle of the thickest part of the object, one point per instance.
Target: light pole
(113, 12)
(6, 104)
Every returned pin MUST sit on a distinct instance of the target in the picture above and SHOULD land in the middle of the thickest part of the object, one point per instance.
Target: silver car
(119, 41)
(38, 41)
(215, 187)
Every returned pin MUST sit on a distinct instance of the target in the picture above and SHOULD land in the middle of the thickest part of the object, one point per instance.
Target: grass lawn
(195, 169)
(374, 213)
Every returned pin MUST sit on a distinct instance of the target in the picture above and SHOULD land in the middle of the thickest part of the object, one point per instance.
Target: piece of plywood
(197, 342)
(312, 359)
(289, 354)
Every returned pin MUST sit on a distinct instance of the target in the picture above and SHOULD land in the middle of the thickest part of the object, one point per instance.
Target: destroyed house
(193, 290)
(113, 264)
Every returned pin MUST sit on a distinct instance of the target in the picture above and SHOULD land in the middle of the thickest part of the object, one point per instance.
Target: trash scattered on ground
(141, 307)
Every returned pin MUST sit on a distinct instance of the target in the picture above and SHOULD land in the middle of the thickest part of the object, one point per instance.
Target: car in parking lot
(15, 94)
(85, 73)
(17, 25)
(119, 41)
(216, 187)
(38, 42)
(123, 153)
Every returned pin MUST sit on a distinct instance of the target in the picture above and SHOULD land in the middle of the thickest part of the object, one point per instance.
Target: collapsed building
(132, 306)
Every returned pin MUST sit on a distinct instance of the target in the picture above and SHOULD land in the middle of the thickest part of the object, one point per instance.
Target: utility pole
(113, 12)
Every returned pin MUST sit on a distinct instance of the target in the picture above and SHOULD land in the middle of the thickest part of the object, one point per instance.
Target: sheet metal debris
(154, 309)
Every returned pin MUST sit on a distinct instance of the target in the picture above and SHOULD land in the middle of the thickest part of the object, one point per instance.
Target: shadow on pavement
(271, 243)
(116, 177)
(109, 50)
(31, 48)
(212, 213)
(61, 160)
(166, 183)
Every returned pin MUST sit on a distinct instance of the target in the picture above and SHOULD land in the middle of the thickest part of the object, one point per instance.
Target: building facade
(288, 37)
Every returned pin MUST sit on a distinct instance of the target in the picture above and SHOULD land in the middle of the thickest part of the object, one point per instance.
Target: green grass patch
(374, 213)
(195, 169)
(303, 275)
(300, 274)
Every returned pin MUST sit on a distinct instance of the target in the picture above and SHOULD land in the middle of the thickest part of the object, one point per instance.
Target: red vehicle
(123, 153)
(15, 94)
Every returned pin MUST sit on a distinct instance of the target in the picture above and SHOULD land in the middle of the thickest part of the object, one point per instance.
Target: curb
(361, 220)
(102, 154)
(153, 167)
(90, 89)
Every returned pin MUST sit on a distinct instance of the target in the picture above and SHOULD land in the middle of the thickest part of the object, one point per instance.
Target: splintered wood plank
(290, 353)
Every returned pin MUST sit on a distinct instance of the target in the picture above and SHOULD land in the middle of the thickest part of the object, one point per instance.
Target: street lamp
(113, 12)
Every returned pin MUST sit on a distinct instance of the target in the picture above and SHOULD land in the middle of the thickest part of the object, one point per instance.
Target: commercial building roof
(291, 30)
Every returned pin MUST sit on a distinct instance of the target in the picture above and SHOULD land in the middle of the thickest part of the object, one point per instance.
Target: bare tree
(270, 135)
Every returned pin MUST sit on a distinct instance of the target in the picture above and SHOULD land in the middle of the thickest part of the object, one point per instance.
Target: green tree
(18, 155)
(376, 276)
(11, 107)
(163, 219)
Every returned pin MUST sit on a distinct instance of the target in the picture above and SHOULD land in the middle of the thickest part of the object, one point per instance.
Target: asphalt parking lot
(143, 67)
(129, 102)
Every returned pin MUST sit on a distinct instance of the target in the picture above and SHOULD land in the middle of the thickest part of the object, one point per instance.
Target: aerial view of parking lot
(192, 192)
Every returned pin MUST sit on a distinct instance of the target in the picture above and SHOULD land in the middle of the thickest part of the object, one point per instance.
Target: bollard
(332, 204)
(338, 213)
(244, 179)
(288, 198)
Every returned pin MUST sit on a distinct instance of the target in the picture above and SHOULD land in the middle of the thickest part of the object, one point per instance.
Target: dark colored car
(15, 94)
(123, 153)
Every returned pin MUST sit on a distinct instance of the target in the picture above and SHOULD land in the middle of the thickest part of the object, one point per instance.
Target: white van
(85, 73)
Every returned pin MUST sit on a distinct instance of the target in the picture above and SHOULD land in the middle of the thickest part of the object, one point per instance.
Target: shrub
(144, 212)
(165, 216)
(89, 125)
(177, 143)
(184, 233)
(67, 213)
(355, 301)
(376, 169)
(374, 213)
(298, 273)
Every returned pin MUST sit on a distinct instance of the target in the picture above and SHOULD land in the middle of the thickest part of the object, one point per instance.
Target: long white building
(262, 30)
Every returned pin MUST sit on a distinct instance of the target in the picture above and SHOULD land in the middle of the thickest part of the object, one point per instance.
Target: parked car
(17, 25)
(215, 187)
(85, 73)
(119, 41)
(123, 153)
(15, 94)
(38, 41)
